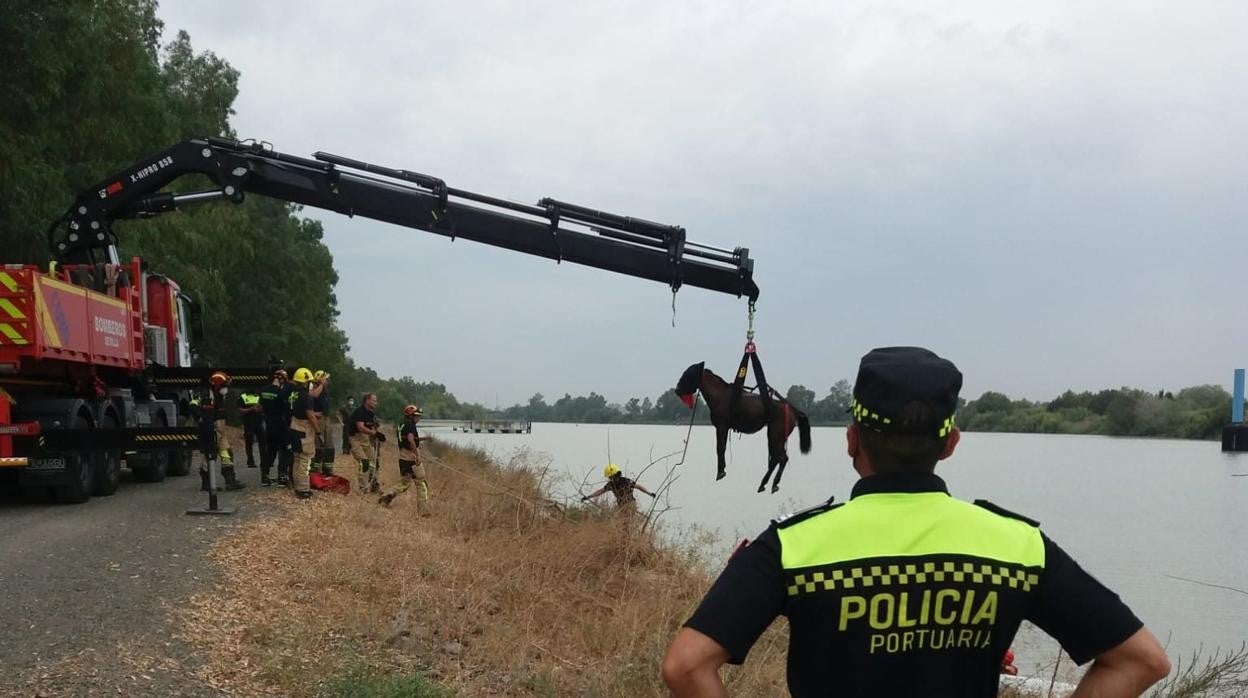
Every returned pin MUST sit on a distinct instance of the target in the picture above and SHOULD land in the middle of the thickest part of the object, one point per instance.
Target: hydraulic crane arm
(551, 229)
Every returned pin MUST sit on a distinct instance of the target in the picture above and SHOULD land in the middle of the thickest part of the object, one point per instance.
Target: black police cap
(892, 378)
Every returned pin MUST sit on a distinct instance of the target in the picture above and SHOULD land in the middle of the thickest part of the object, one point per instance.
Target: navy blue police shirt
(885, 598)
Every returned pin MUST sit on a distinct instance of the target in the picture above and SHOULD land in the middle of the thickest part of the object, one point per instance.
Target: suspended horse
(747, 413)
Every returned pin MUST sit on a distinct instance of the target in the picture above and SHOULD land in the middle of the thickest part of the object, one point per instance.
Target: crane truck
(96, 353)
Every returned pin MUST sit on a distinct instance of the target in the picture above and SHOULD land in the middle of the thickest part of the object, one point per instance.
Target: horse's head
(690, 382)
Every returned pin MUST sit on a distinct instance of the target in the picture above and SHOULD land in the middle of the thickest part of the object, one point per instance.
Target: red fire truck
(96, 353)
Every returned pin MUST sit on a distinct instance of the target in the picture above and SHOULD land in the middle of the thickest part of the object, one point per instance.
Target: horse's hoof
(775, 489)
(762, 488)
(720, 475)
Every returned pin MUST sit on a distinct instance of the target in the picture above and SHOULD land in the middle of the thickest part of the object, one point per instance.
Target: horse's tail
(803, 430)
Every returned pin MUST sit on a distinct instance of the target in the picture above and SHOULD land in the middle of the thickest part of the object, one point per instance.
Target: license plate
(46, 464)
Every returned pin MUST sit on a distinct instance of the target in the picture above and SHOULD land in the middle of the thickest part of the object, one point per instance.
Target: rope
(543, 505)
(688, 433)
(482, 481)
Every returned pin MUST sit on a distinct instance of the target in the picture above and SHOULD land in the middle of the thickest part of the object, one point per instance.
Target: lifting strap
(750, 356)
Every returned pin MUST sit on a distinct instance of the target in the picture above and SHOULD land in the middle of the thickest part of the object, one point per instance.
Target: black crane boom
(551, 228)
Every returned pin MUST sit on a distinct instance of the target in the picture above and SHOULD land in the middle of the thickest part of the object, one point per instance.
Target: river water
(1162, 522)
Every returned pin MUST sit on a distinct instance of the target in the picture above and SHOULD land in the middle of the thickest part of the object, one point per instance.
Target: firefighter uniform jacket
(906, 591)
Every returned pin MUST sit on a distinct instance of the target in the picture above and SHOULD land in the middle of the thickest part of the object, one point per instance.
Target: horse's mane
(691, 379)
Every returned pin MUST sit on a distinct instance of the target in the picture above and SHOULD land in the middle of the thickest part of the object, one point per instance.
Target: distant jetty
(481, 426)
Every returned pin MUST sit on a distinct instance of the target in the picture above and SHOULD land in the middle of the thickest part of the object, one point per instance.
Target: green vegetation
(833, 408)
(1193, 413)
(90, 86)
(362, 682)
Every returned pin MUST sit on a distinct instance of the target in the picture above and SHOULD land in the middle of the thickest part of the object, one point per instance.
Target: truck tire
(149, 467)
(107, 476)
(79, 471)
(179, 462)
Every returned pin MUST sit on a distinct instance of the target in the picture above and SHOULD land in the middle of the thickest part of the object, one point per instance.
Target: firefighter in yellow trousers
(212, 438)
(303, 426)
(365, 433)
(411, 470)
(323, 457)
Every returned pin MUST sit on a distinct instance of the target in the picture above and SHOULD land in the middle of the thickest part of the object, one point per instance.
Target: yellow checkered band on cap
(873, 420)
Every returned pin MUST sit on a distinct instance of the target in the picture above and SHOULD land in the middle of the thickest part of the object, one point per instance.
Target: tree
(800, 397)
(669, 408)
(834, 407)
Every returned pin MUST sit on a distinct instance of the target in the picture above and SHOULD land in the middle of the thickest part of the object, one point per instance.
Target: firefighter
(365, 435)
(904, 590)
(345, 414)
(411, 470)
(275, 406)
(619, 486)
(213, 442)
(253, 425)
(324, 454)
(303, 429)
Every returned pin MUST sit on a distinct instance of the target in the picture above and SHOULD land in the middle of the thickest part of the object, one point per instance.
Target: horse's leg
(721, 444)
(776, 455)
(771, 465)
(775, 485)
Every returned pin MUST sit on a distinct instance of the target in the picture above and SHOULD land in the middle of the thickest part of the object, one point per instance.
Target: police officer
(253, 424)
(303, 429)
(275, 406)
(411, 469)
(213, 442)
(903, 590)
(323, 458)
(365, 434)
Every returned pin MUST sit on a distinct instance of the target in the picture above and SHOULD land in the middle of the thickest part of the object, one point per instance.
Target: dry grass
(499, 592)
(1212, 675)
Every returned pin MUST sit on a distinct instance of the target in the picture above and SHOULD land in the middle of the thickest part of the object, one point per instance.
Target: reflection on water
(1156, 520)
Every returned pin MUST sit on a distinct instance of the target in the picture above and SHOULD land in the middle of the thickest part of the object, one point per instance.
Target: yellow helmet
(319, 375)
(611, 470)
(302, 375)
(412, 411)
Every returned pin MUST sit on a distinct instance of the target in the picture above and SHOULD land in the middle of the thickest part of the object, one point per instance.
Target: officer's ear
(954, 437)
(852, 443)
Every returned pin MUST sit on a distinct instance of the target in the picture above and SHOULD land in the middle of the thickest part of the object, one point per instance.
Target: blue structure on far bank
(1235, 434)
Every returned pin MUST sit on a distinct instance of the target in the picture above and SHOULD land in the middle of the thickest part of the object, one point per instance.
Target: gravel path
(86, 590)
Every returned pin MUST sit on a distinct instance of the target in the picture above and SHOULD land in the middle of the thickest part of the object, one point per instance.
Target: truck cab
(172, 321)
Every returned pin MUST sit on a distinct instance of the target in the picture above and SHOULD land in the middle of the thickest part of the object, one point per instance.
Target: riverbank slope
(498, 592)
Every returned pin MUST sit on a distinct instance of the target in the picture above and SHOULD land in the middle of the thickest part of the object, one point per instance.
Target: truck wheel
(179, 462)
(149, 467)
(107, 467)
(79, 471)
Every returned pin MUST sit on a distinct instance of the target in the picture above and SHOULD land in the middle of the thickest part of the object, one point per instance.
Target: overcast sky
(1052, 194)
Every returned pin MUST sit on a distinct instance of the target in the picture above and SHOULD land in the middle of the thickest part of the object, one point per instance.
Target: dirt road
(86, 590)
